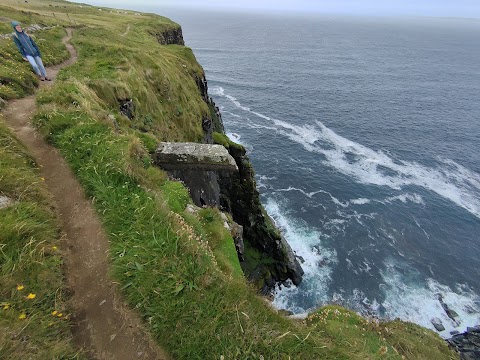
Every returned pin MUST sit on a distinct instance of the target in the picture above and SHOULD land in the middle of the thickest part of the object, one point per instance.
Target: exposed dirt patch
(104, 325)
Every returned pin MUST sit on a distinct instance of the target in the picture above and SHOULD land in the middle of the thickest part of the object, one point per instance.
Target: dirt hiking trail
(103, 324)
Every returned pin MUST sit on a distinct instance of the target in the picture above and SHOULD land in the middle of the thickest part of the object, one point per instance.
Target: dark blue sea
(364, 134)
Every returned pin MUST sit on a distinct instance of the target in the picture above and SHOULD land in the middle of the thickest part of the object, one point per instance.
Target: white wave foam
(262, 181)
(235, 137)
(415, 198)
(360, 201)
(449, 180)
(307, 194)
(317, 260)
(313, 193)
(411, 301)
(231, 114)
(219, 91)
(452, 181)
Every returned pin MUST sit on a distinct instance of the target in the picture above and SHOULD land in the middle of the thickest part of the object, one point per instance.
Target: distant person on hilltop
(29, 50)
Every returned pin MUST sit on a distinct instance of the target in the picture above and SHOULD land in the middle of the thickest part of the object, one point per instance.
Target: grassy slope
(30, 263)
(178, 269)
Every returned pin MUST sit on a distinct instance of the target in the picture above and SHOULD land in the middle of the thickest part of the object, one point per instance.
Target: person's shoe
(47, 78)
(42, 78)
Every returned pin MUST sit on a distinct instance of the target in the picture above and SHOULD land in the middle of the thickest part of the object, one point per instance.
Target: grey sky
(451, 8)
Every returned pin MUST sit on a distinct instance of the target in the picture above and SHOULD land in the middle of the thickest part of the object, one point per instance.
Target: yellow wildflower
(54, 313)
(60, 315)
(31, 296)
(6, 306)
(22, 316)
(20, 287)
(43, 179)
(54, 248)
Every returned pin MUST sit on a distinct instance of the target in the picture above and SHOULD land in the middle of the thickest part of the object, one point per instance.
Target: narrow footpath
(104, 325)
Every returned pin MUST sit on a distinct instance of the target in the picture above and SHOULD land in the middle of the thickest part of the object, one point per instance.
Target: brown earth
(104, 326)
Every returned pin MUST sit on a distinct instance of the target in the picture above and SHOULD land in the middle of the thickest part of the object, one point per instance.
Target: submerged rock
(452, 314)
(437, 323)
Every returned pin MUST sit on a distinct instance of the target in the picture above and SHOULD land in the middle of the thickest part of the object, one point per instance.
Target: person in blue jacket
(29, 50)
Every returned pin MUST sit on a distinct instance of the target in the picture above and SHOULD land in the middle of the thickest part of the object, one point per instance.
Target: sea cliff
(264, 254)
(135, 86)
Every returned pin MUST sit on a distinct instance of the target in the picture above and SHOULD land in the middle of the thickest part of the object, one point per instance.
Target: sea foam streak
(450, 180)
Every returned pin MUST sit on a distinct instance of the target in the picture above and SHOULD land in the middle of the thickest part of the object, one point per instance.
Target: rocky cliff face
(212, 123)
(173, 36)
(265, 256)
(267, 259)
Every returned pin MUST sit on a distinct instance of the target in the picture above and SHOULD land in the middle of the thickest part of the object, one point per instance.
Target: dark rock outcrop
(171, 36)
(437, 323)
(268, 257)
(237, 234)
(467, 344)
(127, 108)
(452, 314)
(214, 122)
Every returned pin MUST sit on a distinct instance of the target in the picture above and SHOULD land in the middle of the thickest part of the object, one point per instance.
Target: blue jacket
(25, 44)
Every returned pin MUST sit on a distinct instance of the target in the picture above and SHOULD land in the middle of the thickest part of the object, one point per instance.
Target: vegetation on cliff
(174, 266)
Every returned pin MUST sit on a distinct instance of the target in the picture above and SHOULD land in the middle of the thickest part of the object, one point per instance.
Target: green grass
(30, 263)
(178, 269)
(383, 339)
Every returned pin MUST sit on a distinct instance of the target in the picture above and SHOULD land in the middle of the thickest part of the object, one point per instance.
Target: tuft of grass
(34, 317)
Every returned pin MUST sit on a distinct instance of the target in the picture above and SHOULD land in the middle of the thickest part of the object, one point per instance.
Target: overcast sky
(451, 8)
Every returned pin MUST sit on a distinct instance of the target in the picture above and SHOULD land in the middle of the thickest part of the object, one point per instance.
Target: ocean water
(364, 134)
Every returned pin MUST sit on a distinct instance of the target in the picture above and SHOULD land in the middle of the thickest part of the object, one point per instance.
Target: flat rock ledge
(5, 202)
(194, 156)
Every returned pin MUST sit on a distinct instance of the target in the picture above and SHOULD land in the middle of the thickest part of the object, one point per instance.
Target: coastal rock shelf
(467, 344)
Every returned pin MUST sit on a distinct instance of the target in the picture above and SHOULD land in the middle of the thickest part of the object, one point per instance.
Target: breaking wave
(317, 262)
